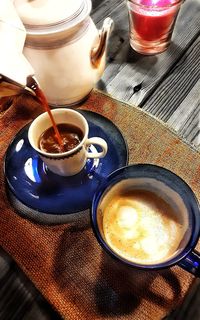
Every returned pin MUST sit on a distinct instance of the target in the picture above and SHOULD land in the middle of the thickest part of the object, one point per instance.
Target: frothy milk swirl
(142, 227)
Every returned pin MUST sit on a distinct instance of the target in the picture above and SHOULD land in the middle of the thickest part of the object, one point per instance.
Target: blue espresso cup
(147, 217)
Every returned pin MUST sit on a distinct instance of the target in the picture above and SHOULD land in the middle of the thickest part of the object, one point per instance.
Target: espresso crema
(141, 227)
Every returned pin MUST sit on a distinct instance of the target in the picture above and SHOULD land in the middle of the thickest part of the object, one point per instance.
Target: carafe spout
(9, 87)
(14, 67)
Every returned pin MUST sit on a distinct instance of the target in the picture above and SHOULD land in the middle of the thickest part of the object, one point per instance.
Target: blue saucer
(47, 197)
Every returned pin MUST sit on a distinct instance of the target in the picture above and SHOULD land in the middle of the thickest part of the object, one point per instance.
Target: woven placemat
(65, 262)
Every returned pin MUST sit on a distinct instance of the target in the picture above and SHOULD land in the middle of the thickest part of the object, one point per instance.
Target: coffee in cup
(147, 217)
(73, 129)
(70, 135)
(139, 225)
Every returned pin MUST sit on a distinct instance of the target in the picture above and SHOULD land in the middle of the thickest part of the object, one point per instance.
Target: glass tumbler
(151, 24)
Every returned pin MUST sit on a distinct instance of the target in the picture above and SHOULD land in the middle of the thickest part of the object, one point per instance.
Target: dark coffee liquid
(70, 135)
(32, 84)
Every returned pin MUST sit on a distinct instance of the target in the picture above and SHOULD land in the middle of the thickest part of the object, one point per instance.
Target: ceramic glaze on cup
(151, 24)
(71, 162)
(148, 218)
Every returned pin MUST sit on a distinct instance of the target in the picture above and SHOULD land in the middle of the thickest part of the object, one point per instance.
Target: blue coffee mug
(173, 190)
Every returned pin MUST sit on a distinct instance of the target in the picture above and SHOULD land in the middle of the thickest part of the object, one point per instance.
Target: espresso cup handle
(191, 263)
(96, 141)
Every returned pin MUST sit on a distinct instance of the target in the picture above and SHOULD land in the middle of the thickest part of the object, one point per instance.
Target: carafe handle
(97, 53)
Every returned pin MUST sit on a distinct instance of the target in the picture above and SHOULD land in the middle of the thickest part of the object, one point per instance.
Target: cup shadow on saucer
(47, 198)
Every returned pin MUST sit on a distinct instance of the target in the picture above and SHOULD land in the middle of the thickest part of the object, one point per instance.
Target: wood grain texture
(177, 99)
(166, 85)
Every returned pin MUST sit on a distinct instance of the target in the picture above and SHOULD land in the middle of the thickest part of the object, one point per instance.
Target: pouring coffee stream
(33, 86)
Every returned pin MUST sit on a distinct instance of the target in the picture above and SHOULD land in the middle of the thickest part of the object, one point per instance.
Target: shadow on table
(125, 288)
(99, 285)
(120, 51)
(148, 68)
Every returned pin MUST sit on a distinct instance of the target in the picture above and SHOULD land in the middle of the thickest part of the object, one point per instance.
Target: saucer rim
(50, 218)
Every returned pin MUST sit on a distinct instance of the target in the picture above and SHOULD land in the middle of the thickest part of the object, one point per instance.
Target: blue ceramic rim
(131, 171)
(50, 217)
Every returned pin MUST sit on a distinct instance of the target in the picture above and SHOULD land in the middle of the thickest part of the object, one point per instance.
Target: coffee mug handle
(191, 263)
(100, 142)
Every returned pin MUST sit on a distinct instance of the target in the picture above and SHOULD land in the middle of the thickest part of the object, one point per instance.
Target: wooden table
(165, 85)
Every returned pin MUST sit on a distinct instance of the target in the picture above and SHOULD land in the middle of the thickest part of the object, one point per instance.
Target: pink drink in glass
(151, 24)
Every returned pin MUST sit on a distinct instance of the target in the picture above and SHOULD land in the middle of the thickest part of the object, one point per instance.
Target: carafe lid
(42, 14)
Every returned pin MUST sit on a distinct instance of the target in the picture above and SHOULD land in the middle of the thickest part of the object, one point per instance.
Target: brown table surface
(167, 86)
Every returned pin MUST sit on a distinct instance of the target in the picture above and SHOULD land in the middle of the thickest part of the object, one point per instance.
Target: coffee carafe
(64, 47)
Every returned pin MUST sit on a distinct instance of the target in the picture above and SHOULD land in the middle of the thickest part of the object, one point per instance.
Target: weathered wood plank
(190, 309)
(127, 70)
(102, 9)
(177, 99)
(19, 299)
